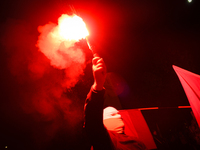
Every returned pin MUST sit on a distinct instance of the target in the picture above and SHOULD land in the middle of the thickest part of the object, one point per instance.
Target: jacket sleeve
(94, 127)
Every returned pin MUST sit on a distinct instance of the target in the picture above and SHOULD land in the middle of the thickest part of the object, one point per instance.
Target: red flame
(72, 28)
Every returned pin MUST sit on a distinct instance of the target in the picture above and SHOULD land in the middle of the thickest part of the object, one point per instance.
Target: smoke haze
(62, 53)
(42, 80)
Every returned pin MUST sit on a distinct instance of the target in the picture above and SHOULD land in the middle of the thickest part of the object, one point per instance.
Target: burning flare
(57, 42)
(72, 28)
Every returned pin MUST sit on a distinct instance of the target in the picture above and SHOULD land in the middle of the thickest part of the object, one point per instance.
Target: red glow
(118, 83)
(72, 28)
(57, 43)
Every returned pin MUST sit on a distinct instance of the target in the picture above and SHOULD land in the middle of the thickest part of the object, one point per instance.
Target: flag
(191, 86)
(136, 126)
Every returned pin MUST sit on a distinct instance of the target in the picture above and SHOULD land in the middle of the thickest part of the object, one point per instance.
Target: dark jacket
(99, 136)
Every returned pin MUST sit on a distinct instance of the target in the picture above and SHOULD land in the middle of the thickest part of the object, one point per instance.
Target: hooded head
(112, 120)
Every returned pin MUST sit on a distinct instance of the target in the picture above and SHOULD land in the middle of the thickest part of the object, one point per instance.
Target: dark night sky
(139, 41)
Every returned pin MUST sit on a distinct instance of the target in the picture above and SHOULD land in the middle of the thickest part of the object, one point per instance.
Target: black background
(139, 41)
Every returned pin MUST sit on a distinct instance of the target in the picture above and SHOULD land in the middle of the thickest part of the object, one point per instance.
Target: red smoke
(62, 53)
(42, 79)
